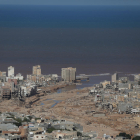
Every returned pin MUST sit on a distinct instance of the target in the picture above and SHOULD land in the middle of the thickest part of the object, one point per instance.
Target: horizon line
(69, 5)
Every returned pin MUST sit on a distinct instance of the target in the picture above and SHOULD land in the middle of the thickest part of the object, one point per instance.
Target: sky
(70, 2)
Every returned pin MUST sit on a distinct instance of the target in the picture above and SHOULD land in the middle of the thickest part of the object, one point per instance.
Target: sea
(94, 39)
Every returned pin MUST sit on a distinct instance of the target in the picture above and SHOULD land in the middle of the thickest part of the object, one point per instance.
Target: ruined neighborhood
(35, 107)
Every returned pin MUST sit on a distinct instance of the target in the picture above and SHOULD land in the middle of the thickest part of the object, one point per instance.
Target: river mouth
(92, 80)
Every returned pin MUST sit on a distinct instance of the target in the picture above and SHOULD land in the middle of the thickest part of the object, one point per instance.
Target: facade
(123, 79)
(37, 70)
(123, 86)
(68, 74)
(114, 77)
(19, 76)
(2, 73)
(105, 83)
(137, 77)
(57, 134)
(2, 78)
(10, 71)
(40, 137)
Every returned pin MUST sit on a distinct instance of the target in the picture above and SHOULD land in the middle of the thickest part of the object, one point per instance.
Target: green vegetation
(49, 130)
(124, 135)
(79, 134)
(26, 120)
(19, 122)
(37, 118)
(74, 129)
(136, 138)
(30, 117)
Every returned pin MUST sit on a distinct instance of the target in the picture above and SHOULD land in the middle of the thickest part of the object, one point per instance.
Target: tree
(136, 138)
(49, 130)
(79, 134)
(124, 135)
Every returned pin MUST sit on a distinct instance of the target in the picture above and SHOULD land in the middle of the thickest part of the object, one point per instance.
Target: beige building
(68, 74)
(105, 83)
(37, 70)
(64, 134)
(2, 73)
(115, 77)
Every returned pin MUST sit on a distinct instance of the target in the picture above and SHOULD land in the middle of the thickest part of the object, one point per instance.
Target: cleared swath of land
(77, 106)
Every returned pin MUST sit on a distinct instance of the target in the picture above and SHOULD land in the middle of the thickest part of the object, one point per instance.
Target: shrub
(79, 134)
(49, 130)
(136, 138)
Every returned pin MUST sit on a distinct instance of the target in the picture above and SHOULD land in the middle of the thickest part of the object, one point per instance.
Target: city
(33, 108)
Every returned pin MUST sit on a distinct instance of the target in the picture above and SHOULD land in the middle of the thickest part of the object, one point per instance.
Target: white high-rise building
(68, 74)
(10, 71)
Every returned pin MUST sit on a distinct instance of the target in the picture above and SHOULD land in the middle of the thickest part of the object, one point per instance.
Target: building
(10, 71)
(124, 86)
(5, 93)
(114, 77)
(2, 73)
(105, 83)
(19, 76)
(37, 70)
(68, 74)
(123, 79)
(137, 77)
(57, 134)
(40, 137)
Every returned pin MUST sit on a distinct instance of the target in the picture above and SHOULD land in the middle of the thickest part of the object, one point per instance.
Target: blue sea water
(70, 16)
(94, 39)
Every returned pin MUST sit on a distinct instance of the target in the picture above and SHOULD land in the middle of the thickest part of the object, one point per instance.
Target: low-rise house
(64, 134)
(123, 86)
(10, 137)
(65, 125)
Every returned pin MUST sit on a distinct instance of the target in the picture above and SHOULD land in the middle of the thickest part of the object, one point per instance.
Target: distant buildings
(37, 70)
(19, 76)
(114, 77)
(2, 73)
(137, 77)
(68, 74)
(10, 71)
(2, 76)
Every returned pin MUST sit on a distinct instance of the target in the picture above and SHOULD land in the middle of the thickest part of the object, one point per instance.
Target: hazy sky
(71, 2)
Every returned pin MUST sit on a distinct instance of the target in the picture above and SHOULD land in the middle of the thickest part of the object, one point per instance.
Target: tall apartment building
(68, 74)
(114, 77)
(37, 70)
(10, 71)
